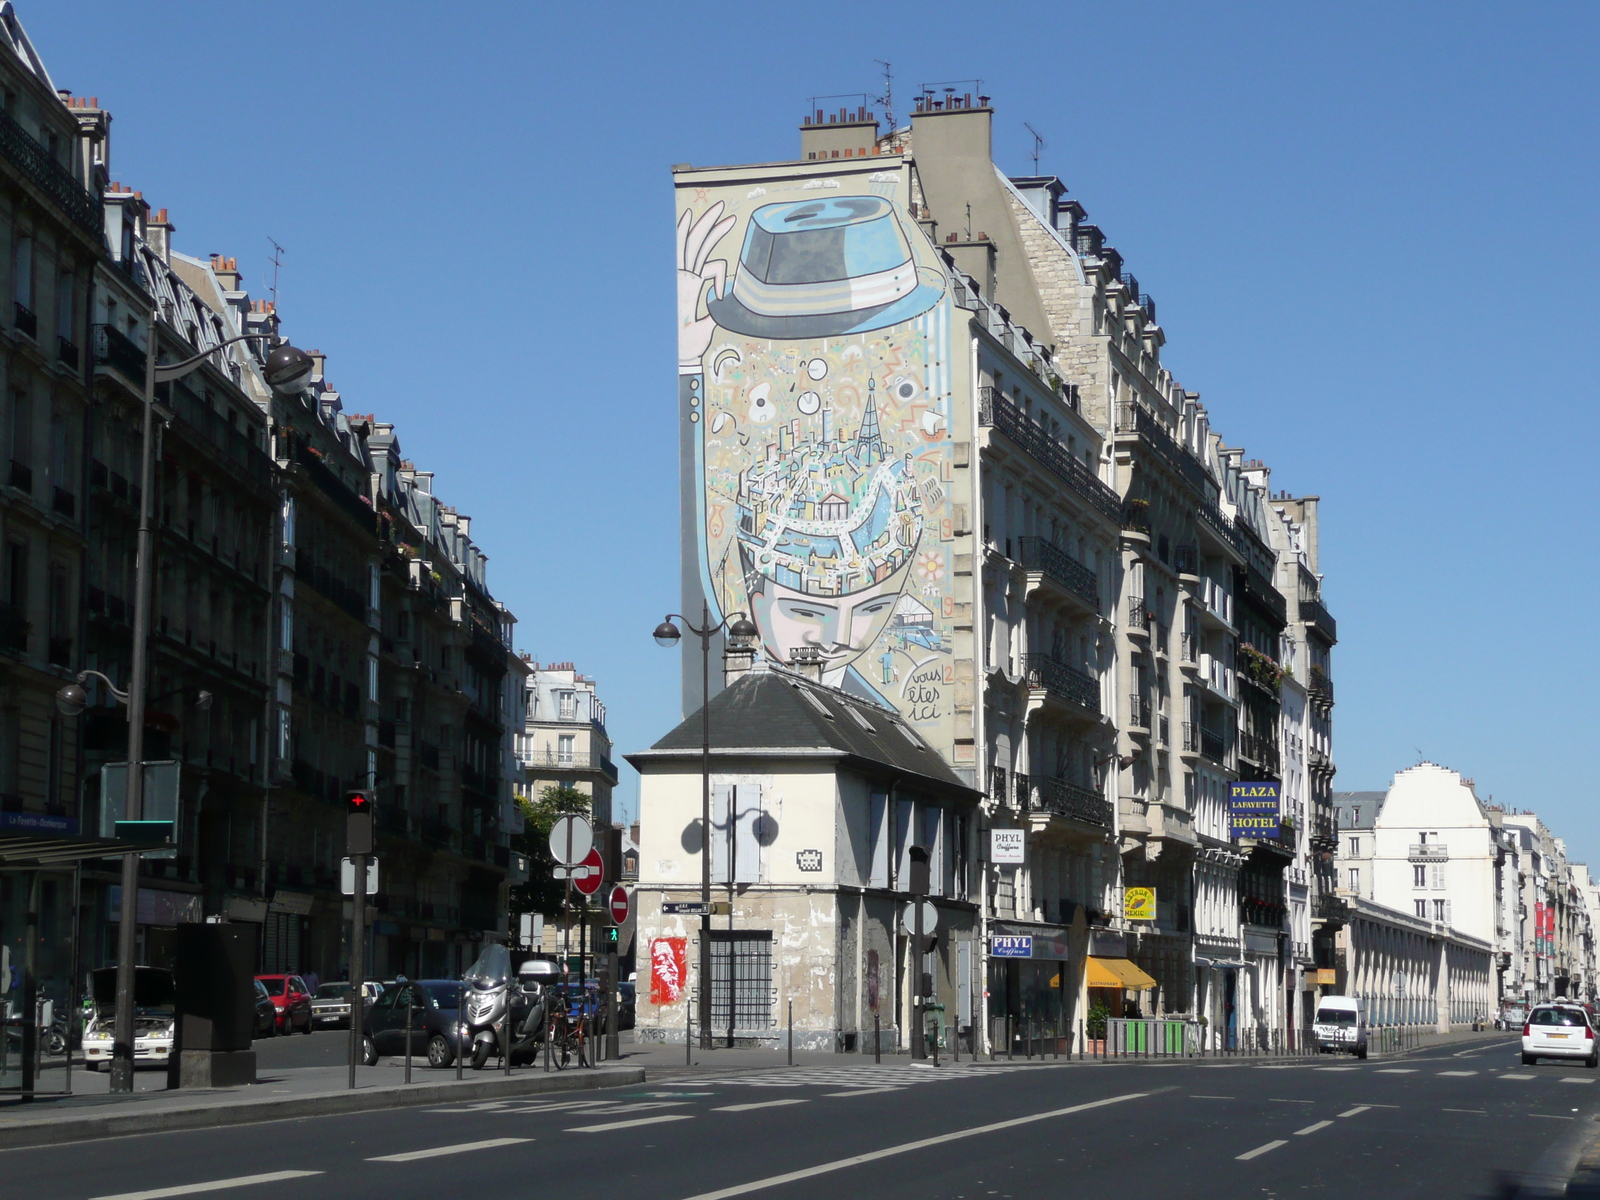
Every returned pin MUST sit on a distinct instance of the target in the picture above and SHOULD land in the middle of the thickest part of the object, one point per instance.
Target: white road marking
(439, 1151)
(756, 1185)
(865, 1091)
(1356, 1111)
(1577, 1079)
(1276, 1100)
(1546, 1116)
(1260, 1150)
(1511, 1075)
(1197, 1097)
(1327, 1068)
(637, 1121)
(216, 1185)
(1397, 1071)
(1463, 1074)
(1475, 1111)
(759, 1104)
(1312, 1128)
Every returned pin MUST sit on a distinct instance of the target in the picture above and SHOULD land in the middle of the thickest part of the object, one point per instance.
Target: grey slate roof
(1357, 810)
(773, 713)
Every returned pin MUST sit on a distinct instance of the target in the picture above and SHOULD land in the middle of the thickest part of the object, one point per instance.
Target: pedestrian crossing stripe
(865, 1076)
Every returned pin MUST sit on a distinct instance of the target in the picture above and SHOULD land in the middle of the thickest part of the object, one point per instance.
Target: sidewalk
(276, 1096)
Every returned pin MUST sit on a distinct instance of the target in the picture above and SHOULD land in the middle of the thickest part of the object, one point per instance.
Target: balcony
(997, 785)
(21, 477)
(60, 651)
(1428, 852)
(1214, 745)
(1138, 712)
(1185, 560)
(1134, 420)
(1260, 749)
(64, 503)
(67, 353)
(1189, 649)
(115, 349)
(1138, 617)
(1321, 687)
(1048, 673)
(1218, 677)
(554, 760)
(81, 206)
(1217, 601)
(1319, 761)
(1067, 573)
(996, 411)
(1258, 668)
(1330, 909)
(1191, 739)
(27, 321)
(1136, 516)
(1221, 525)
(1312, 611)
(1065, 799)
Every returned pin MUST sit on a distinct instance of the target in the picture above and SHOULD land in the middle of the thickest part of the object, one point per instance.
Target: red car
(292, 999)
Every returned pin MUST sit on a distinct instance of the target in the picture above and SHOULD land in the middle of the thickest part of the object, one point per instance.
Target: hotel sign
(1252, 810)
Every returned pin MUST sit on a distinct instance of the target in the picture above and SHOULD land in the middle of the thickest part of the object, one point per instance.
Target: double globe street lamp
(288, 371)
(741, 632)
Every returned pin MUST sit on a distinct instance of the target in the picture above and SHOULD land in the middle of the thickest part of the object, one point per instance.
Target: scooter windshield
(491, 969)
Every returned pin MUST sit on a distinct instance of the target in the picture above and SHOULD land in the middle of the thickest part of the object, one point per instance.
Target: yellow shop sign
(1139, 904)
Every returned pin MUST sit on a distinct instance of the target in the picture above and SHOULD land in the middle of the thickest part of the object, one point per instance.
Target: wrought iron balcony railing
(1056, 677)
(1041, 554)
(117, 350)
(1067, 799)
(1137, 420)
(1000, 413)
(81, 206)
(1429, 852)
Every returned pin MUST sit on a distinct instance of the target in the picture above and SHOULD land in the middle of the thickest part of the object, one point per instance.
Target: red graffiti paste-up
(669, 968)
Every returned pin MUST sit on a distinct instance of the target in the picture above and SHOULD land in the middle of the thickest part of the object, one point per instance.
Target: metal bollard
(409, 1009)
(1080, 1039)
(461, 1013)
(877, 1040)
(791, 1033)
(688, 1032)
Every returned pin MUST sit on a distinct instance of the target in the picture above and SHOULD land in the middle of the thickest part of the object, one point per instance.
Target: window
(1355, 879)
(568, 706)
(21, 430)
(1355, 847)
(1438, 876)
(747, 956)
(1422, 908)
(564, 753)
(1419, 876)
(1441, 910)
(22, 270)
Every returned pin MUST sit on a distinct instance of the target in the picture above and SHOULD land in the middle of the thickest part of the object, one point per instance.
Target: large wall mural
(815, 371)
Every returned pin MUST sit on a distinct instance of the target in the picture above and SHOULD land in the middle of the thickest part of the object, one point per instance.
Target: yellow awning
(1117, 973)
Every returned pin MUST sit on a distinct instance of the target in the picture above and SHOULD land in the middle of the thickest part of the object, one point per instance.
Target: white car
(1341, 1026)
(1559, 1031)
(154, 1018)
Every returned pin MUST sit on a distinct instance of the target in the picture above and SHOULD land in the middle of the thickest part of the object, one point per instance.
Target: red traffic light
(358, 802)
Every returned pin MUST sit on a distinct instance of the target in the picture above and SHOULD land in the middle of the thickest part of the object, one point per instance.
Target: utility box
(213, 975)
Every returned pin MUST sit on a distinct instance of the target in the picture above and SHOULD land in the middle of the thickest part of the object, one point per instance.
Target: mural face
(817, 369)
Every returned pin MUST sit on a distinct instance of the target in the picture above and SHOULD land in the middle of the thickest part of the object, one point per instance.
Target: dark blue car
(435, 1021)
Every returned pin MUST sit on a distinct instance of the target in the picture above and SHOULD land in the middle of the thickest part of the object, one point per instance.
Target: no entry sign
(589, 884)
(619, 905)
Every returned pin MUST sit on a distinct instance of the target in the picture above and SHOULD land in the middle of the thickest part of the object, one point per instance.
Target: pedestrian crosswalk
(866, 1076)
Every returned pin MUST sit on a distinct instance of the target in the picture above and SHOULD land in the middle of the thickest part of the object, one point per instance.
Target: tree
(543, 893)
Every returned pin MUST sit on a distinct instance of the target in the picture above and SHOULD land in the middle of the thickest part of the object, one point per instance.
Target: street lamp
(287, 371)
(742, 631)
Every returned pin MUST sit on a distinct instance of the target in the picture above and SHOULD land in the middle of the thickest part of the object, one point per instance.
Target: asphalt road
(1435, 1125)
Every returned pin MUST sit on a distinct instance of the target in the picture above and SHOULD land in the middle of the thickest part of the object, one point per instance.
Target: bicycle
(569, 1037)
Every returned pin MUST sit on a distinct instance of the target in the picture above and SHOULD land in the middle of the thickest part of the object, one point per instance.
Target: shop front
(1033, 984)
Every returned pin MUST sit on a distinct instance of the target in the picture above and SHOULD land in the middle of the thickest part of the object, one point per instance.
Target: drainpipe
(979, 728)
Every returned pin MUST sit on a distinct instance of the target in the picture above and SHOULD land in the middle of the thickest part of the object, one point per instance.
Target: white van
(1341, 1025)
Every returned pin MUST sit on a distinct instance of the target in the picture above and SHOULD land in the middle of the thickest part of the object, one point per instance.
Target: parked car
(625, 1010)
(292, 999)
(330, 1006)
(266, 1012)
(435, 1022)
(1559, 1031)
(154, 1017)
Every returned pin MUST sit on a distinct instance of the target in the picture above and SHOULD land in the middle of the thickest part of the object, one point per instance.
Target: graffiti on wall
(814, 354)
(669, 969)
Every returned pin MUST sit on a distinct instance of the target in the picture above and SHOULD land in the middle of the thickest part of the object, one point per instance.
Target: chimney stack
(736, 661)
(807, 661)
(158, 232)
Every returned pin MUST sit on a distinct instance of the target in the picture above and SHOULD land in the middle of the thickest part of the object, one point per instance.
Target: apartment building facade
(982, 502)
(561, 737)
(319, 621)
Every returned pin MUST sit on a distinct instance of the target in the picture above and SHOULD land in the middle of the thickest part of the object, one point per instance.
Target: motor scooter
(497, 1003)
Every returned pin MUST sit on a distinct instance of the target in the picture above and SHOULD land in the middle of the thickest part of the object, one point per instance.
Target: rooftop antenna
(277, 261)
(1038, 144)
(887, 99)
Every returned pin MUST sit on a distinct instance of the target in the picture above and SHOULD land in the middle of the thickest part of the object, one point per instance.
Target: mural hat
(817, 268)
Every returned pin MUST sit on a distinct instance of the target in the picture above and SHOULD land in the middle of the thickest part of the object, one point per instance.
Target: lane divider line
(1312, 1128)
(1356, 1111)
(1260, 1150)
(1576, 1079)
(1512, 1075)
(756, 1185)
(1477, 1112)
(1199, 1097)
(760, 1104)
(1461, 1074)
(865, 1091)
(440, 1151)
(215, 1185)
(1397, 1071)
(633, 1124)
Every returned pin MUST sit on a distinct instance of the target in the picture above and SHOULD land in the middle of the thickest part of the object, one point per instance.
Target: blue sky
(1369, 230)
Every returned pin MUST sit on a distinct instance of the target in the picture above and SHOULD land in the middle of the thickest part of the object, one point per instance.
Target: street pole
(918, 1049)
(705, 831)
(358, 960)
(127, 929)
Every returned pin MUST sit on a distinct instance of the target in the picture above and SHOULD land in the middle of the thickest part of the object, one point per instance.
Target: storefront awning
(1117, 973)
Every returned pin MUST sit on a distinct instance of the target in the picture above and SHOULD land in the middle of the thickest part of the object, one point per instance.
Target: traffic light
(358, 822)
(610, 938)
